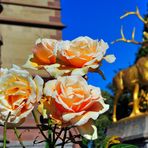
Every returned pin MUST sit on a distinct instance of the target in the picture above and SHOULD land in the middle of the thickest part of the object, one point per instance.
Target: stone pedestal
(132, 131)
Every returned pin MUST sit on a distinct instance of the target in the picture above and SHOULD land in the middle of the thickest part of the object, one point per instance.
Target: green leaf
(110, 140)
(124, 146)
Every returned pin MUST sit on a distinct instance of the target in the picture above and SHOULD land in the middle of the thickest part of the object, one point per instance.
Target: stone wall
(21, 23)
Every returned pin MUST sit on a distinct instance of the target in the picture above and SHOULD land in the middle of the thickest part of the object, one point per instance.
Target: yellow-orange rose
(43, 52)
(18, 94)
(82, 51)
(70, 100)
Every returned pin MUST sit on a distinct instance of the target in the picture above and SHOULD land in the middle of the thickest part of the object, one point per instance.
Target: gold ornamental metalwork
(132, 78)
(135, 77)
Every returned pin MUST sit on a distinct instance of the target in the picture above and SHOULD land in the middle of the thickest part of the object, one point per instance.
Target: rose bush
(18, 94)
(70, 100)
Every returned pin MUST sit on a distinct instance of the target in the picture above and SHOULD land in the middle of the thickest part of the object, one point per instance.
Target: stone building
(21, 23)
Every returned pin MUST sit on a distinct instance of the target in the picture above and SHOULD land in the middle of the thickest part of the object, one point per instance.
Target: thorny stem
(64, 138)
(37, 124)
(18, 137)
(54, 130)
(50, 143)
(5, 131)
(58, 136)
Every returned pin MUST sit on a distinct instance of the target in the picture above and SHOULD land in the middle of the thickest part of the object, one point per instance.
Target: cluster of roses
(68, 99)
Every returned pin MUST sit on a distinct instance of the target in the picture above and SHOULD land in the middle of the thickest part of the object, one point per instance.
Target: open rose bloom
(42, 54)
(59, 58)
(69, 100)
(18, 94)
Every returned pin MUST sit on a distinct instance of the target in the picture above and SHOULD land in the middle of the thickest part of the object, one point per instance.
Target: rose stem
(5, 130)
(18, 137)
(54, 130)
(64, 138)
(37, 124)
(49, 132)
(58, 135)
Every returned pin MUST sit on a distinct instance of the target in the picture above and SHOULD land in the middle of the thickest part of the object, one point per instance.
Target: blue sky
(100, 19)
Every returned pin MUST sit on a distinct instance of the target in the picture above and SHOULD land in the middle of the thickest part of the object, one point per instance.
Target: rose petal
(16, 70)
(88, 130)
(80, 71)
(45, 41)
(30, 64)
(81, 120)
(54, 70)
(49, 87)
(39, 83)
(92, 112)
(32, 96)
(110, 58)
(69, 116)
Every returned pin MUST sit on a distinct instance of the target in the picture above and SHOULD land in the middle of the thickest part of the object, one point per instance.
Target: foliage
(115, 142)
(124, 146)
(108, 141)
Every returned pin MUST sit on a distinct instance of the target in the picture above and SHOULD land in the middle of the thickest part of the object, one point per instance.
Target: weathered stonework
(133, 131)
(22, 22)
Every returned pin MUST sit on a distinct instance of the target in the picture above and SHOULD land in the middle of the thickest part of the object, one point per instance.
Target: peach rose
(82, 51)
(18, 94)
(42, 53)
(71, 101)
